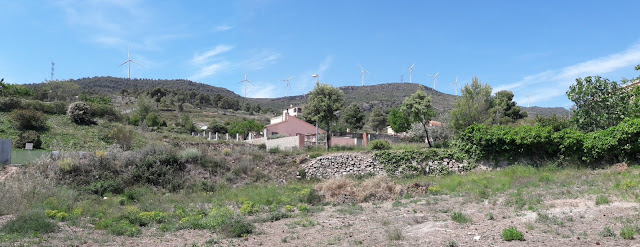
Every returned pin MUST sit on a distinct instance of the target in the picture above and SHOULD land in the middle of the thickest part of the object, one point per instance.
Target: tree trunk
(328, 135)
(427, 132)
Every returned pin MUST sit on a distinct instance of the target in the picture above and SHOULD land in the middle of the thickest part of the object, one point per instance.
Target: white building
(292, 111)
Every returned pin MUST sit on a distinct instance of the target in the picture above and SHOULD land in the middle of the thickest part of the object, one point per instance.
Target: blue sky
(534, 48)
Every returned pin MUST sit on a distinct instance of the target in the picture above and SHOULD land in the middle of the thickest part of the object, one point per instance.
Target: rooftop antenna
(245, 84)
(287, 80)
(456, 83)
(411, 73)
(363, 71)
(52, 69)
(129, 61)
(435, 79)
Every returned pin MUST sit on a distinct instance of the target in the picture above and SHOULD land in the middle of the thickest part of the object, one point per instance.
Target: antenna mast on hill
(287, 80)
(411, 73)
(52, 69)
(456, 83)
(435, 80)
(129, 61)
(245, 84)
(401, 78)
(363, 71)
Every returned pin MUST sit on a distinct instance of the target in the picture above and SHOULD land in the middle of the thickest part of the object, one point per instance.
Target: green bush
(160, 167)
(9, 104)
(190, 155)
(511, 234)
(104, 111)
(106, 186)
(28, 136)
(28, 119)
(379, 145)
(602, 199)
(30, 224)
(80, 113)
(627, 232)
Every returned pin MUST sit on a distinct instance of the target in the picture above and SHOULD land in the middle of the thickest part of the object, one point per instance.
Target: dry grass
(343, 190)
(24, 188)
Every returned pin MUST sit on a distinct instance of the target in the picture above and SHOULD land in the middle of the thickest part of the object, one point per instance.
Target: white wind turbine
(287, 80)
(528, 100)
(456, 83)
(435, 80)
(363, 71)
(129, 61)
(245, 84)
(411, 73)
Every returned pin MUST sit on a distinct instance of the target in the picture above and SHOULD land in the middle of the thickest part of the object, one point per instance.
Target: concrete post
(216, 136)
(227, 136)
(5, 151)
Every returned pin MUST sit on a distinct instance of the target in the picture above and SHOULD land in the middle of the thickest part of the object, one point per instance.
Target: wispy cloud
(209, 70)
(223, 28)
(304, 82)
(207, 55)
(260, 60)
(263, 91)
(552, 84)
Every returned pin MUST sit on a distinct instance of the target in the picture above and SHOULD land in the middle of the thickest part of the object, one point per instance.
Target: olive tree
(418, 108)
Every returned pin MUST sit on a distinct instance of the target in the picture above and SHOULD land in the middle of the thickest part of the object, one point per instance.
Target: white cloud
(551, 84)
(223, 28)
(262, 91)
(209, 70)
(206, 56)
(260, 60)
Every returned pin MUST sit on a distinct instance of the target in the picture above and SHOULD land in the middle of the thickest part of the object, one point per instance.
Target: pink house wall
(291, 127)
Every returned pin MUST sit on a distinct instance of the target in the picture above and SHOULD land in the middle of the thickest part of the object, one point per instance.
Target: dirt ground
(421, 221)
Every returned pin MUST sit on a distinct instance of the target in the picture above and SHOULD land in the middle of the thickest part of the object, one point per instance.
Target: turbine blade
(437, 74)
(125, 62)
(136, 63)
(289, 78)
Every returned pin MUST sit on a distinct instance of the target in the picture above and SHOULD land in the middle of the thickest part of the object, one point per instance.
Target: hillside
(382, 95)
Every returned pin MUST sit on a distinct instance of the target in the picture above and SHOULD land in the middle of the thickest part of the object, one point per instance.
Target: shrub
(249, 208)
(28, 119)
(29, 224)
(511, 234)
(607, 232)
(190, 155)
(379, 145)
(394, 234)
(460, 218)
(124, 228)
(106, 186)
(123, 136)
(238, 227)
(153, 120)
(627, 233)
(9, 104)
(28, 136)
(80, 113)
(104, 111)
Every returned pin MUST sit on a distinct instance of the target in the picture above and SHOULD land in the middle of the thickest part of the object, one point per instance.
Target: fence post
(5, 151)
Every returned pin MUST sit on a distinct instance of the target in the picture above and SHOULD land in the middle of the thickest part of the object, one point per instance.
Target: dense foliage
(377, 120)
(398, 121)
(418, 109)
(416, 161)
(27, 119)
(323, 104)
(354, 117)
(599, 103)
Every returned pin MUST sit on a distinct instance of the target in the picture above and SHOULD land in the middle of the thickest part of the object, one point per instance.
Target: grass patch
(601, 200)
(350, 209)
(627, 232)
(32, 223)
(511, 234)
(394, 234)
(607, 232)
(460, 218)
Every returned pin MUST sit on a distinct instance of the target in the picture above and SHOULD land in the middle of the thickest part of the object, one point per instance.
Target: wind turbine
(129, 61)
(245, 84)
(287, 80)
(528, 100)
(363, 71)
(435, 79)
(456, 83)
(411, 72)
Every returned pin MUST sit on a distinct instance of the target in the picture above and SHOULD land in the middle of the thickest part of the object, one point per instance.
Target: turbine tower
(363, 71)
(287, 80)
(528, 100)
(435, 80)
(411, 73)
(129, 61)
(456, 83)
(245, 84)
(52, 69)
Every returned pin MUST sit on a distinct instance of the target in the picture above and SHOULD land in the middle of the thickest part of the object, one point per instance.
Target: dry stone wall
(346, 164)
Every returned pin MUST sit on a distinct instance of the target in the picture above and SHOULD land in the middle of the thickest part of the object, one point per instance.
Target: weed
(124, 228)
(511, 234)
(607, 232)
(350, 209)
(305, 222)
(249, 208)
(385, 222)
(276, 216)
(490, 216)
(602, 199)
(394, 234)
(549, 219)
(451, 243)
(627, 232)
(460, 218)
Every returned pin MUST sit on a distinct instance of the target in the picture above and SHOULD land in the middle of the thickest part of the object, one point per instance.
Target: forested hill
(368, 97)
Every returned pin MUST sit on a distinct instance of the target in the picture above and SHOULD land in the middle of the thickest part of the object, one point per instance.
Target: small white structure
(292, 111)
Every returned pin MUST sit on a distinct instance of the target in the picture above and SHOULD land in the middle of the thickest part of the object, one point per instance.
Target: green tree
(378, 119)
(472, 107)
(398, 121)
(323, 103)
(243, 127)
(504, 108)
(14, 90)
(418, 108)
(354, 117)
(599, 103)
